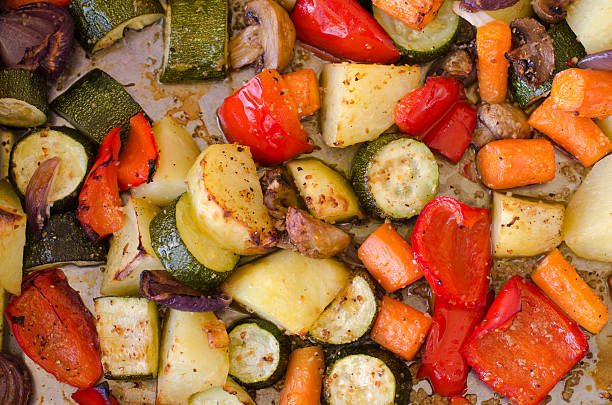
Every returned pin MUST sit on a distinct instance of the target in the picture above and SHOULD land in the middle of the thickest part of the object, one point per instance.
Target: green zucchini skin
(176, 258)
(359, 176)
(566, 47)
(69, 202)
(196, 40)
(403, 377)
(95, 104)
(63, 241)
(95, 20)
(284, 350)
(27, 87)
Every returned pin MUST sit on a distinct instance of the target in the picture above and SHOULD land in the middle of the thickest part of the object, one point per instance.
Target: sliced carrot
(578, 135)
(509, 163)
(416, 14)
(493, 40)
(304, 377)
(583, 91)
(389, 258)
(400, 328)
(303, 86)
(459, 401)
(560, 282)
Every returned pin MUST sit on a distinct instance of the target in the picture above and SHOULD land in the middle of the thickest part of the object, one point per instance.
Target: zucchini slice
(426, 45)
(366, 375)
(258, 353)
(128, 329)
(95, 104)
(349, 316)
(75, 151)
(23, 98)
(394, 177)
(196, 39)
(229, 393)
(12, 238)
(63, 241)
(188, 253)
(100, 23)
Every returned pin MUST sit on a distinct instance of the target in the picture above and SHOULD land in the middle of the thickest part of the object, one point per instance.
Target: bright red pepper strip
(263, 116)
(344, 29)
(99, 207)
(55, 329)
(98, 395)
(443, 363)
(453, 133)
(420, 109)
(138, 157)
(531, 351)
(452, 248)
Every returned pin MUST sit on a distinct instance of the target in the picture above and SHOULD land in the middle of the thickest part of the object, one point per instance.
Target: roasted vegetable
(590, 19)
(313, 237)
(12, 239)
(15, 381)
(23, 98)
(98, 395)
(500, 121)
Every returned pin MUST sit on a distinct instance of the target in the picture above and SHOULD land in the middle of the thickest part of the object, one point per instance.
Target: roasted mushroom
(278, 191)
(500, 121)
(550, 11)
(312, 237)
(532, 54)
(271, 41)
(458, 63)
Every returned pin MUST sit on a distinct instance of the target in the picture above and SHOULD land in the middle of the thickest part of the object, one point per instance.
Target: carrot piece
(304, 377)
(303, 86)
(400, 328)
(389, 258)
(583, 91)
(560, 282)
(493, 40)
(416, 14)
(509, 163)
(459, 401)
(578, 135)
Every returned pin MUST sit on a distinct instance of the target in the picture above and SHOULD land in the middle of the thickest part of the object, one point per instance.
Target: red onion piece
(478, 5)
(37, 194)
(598, 61)
(15, 381)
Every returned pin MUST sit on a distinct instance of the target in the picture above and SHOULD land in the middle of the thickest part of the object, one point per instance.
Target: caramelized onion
(37, 194)
(598, 61)
(15, 381)
(478, 5)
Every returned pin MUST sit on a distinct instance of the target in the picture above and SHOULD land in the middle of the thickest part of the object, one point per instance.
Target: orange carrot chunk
(416, 14)
(560, 282)
(400, 328)
(389, 258)
(509, 163)
(580, 136)
(304, 377)
(303, 86)
(493, 40)
(585, 92)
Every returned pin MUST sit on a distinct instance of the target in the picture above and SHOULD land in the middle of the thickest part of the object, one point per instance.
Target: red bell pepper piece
(98, 395)
(263, 116)
(443, 363)
(452, 248)
(99, 207)
(344, 29)
(55, 329)
(138, 157)
(12, 4)
(420, 109)
(453, 133)
(524, 353)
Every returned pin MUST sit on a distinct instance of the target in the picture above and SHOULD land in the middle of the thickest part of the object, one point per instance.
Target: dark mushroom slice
(458, 63)
(313, 237)
(550, 11)
(500, 121)
(272, 43)
(532, 55)
(15, 381)
(37, 194)
(279, 193)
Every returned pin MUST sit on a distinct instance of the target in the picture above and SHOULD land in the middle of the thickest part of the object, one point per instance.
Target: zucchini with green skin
(258, 353)
(63, 241)
(366, 375)
(426, 45)
(196, 40)
(75, 151)
(23, 98)
(189, 255)
(566, 48)
(100, 23)
(95, 104)
(394, 176)
(229, 393)
(349, 316)
(128, 329)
